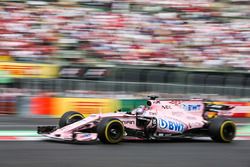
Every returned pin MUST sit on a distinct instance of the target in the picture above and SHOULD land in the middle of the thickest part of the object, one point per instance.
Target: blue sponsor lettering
(163, 124)
(171, 125)
(191, 107)
(86, 135)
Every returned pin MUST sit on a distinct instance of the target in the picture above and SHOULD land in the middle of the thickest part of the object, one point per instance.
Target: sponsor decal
(166, 107)
(95, 73)
(154, 121)
(84, 106)
(87, 104)
(152, 113)
(88, 107)
(191, 107)
(24, 70)
(29, 70)
(175, 102)
(84, 135)
(171, 125)
(163, 134)
(128, 122)
(71, 72)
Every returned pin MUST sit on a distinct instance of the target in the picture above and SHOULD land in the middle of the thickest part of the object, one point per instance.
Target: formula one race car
(158, 120)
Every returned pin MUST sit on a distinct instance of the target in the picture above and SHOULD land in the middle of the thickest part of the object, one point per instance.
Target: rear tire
(69, 118)
(110, 130)
(222, 130)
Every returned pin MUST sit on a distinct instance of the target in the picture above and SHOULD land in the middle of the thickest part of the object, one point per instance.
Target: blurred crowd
(180, 33)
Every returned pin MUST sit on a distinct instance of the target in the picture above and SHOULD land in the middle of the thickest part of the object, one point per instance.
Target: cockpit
(139, 110)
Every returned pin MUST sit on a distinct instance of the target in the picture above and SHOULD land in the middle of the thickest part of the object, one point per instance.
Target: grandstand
(197, 34)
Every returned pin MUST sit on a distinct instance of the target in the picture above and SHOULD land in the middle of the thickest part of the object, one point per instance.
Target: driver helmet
(140, 110)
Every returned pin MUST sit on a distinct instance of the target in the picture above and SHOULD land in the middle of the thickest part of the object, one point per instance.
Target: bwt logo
(171, 125)
(191, 107)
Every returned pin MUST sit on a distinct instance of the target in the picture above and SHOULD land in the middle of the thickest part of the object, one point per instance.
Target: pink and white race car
(158, 120)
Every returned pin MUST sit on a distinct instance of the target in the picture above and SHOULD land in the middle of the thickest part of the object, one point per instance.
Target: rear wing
(210, 107)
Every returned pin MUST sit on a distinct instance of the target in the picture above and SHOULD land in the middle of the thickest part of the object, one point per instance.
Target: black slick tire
(69, 118)
(110, 130)
(222, 130)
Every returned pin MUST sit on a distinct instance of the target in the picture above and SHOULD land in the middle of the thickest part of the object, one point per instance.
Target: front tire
(222, 130)
(69, 118)
(110, 130)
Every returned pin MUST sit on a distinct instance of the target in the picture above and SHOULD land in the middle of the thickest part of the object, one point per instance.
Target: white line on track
(242, 123)
(15, 125)
(12, 138)
(236, 138)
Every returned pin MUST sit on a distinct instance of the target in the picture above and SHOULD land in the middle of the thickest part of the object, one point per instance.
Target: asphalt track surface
(181, 153)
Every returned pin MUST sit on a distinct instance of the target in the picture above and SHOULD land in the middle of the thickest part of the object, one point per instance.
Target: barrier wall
(41, 105)
(8, 104)
(23, 106)
(56, 106)
(30, 70)
(85, 106)
(129, 104)
(180, 80)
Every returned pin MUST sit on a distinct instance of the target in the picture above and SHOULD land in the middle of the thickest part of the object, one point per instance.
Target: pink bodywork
(173, 116)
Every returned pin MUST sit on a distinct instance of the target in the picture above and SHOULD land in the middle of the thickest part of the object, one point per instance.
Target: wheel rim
(115, 131)
(229, 131)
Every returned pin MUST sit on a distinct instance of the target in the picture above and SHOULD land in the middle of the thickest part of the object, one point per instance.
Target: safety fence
(61, 85)
(128, 79)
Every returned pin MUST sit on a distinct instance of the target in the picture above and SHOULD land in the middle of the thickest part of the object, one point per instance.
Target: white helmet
(140, 110)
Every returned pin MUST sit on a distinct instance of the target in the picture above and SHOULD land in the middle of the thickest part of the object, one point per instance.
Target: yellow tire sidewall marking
(221, 130)
(74, 115)
(106, 130)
